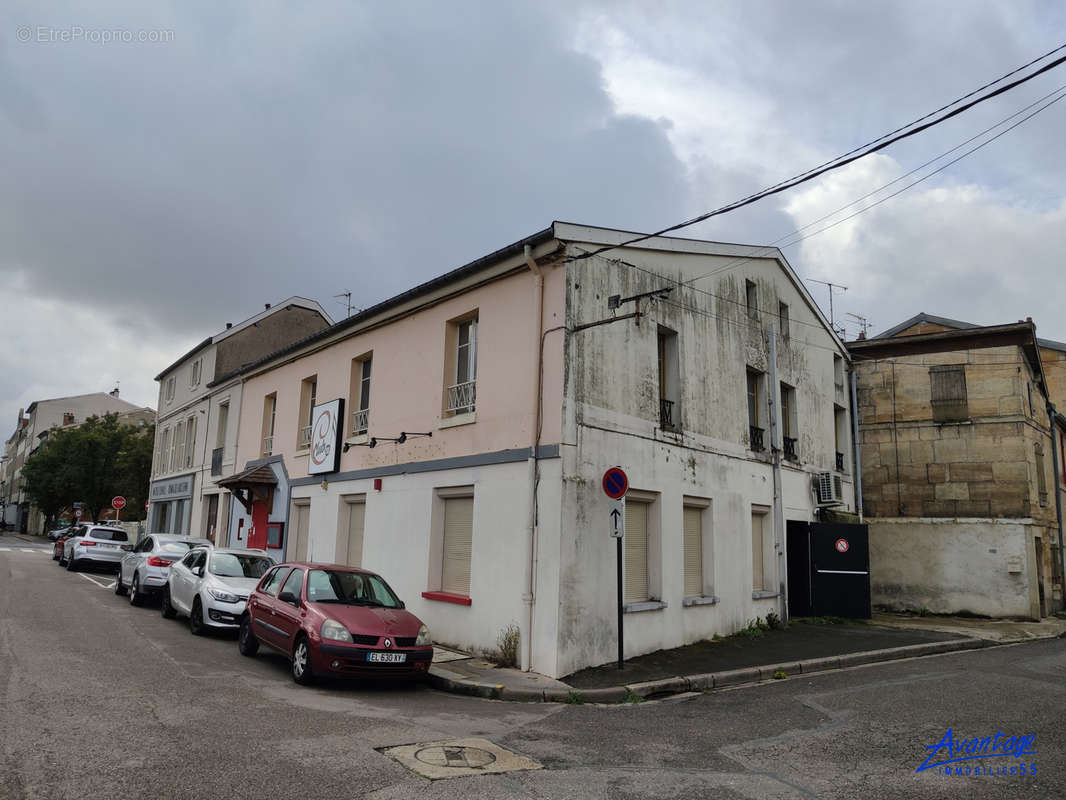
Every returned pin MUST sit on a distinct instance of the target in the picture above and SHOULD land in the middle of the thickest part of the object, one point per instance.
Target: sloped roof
(959, 325)
(261, 476)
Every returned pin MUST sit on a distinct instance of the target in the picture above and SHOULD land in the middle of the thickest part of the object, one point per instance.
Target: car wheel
(196, 619)
(55, 554)
(301, 662)
(165, 608)
(136, 598)
(247, 644)
(120, 587)
(71, 564)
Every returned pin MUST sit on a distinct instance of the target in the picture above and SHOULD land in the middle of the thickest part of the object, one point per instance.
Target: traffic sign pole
(618, 544)
(615, 485)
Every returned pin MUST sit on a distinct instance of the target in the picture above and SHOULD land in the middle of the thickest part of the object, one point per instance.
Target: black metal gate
(828, 570)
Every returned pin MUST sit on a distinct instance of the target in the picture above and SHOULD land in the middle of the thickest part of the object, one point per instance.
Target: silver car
(144, 571)
(98, 545)
(211, 586)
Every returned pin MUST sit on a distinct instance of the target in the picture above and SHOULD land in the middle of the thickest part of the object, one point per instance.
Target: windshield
(231, 565)
(353, 588)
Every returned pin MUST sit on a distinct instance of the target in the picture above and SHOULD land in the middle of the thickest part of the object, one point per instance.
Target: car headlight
(223, 597)
(423, 637)
(335, 631)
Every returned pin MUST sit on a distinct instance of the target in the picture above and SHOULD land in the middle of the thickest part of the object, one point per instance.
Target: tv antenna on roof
(832, 286)
(347, 303)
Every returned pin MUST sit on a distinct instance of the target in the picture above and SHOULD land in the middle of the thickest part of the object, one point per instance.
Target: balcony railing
(360, 421)
(305, 437)
(840, 462)
(666, 415)
(756, 438)
(216, 460)
(790, 448)
(268, 445)
(461, 398)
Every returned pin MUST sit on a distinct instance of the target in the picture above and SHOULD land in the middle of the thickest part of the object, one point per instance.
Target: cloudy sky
(251, 151)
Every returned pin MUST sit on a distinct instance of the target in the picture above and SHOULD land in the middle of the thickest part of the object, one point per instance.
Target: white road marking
(31, 550)
(95, 582)
(5, 549)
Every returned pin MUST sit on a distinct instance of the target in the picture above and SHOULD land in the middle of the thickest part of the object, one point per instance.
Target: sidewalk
(803, 648)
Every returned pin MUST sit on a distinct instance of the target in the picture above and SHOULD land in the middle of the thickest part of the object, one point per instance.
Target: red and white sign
(77, 513)
(118, 502)
(146, 502)
(326, 427)
(842, 545)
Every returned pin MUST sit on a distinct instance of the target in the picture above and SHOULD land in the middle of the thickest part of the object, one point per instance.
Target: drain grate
(456, 758)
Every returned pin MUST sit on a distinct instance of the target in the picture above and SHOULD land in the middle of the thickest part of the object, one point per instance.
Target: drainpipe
(1055, 454)
(528, 597)
(857, 467)
(775, 447)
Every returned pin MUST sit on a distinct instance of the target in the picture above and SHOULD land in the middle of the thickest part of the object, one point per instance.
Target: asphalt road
(102, 700)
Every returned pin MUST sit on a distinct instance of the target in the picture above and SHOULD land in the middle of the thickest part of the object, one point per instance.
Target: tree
(92, 463)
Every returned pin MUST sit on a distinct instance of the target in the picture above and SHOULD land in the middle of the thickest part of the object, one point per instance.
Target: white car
(98, 545)
(144, 570)
(211, 586)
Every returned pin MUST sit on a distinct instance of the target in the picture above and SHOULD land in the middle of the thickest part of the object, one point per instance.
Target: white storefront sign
(326, 426)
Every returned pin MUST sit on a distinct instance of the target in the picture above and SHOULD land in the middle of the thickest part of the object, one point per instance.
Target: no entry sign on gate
(842, 545)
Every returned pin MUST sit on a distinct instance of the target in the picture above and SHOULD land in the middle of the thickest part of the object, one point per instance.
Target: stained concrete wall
(271, 333)
(949, 566)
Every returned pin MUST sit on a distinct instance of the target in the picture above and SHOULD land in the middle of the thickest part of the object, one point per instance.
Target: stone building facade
(955, 428)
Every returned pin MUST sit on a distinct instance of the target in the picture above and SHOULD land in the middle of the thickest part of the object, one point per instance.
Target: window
(223, 421)
(782, 319)
(308, 390)
(270, 404)
(755, 414)
(177, 458)
(635, 562)
(195, 370)
(669, 381)
(299, 541)
(762, 551)
(840, 434)
(190, 442)
(68, 418)
(164, 451)
(168, 390)
(696, 552)
(350, 534)
(789, 426)
(461, 393)
(1041, 474)
(838, 373)
(457, 545)
(273, 581)
(751, 299)
(359, 395)
(948, 393)
(293, 584)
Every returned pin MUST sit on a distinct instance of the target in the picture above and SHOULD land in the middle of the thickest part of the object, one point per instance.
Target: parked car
(334, 620)
(57, 548)
(211, 586)
(145, 569)
(59, 533)
(96, 545)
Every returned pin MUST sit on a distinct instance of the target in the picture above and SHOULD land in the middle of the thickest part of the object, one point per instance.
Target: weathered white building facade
(498, 394)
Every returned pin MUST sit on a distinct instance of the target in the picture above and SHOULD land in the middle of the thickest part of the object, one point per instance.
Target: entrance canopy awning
(253, 484)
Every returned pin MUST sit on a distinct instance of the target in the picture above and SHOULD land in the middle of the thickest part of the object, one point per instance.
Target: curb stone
(448, 681)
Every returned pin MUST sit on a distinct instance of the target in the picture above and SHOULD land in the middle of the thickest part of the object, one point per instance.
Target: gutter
(537, 363)
(856, 448)
(1055, 455)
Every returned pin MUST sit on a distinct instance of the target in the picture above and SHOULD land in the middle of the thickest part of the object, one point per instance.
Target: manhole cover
(472, 757)
(456, 758)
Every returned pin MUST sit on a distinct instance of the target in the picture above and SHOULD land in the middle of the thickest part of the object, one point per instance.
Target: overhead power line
(876, 145)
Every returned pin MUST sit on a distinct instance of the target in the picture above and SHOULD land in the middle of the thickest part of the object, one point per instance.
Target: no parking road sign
(615, 483)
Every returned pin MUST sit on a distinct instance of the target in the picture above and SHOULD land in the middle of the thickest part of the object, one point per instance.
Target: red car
(330, 619)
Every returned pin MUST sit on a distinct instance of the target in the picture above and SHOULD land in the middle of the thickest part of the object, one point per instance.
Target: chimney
(266, 306)
(1028, 319)
(229, 325)
(114, 392)
(862, 336)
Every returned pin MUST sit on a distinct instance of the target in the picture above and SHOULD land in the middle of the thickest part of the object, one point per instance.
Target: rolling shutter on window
(356, 519)
(458, 537)
(693, 552)
(636, 552)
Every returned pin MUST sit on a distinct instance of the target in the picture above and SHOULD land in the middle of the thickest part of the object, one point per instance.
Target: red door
(257, 534)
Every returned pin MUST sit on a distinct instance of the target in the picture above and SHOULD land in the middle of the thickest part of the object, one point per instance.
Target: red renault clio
(330, 619)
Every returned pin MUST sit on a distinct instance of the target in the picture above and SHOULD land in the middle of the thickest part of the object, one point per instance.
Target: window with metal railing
(360, 421)
(789, 448)
(460, 395)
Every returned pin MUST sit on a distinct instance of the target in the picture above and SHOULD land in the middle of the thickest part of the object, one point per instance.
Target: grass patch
(575, 698)
(506, 654)
(780, 674)
(632, 698)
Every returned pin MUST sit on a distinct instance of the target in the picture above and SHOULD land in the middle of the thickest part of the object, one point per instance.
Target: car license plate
(387, 658)
(109, 546)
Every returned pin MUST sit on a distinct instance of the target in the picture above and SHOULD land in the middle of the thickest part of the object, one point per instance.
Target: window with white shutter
(759, 550)
(635, 583)
(458, 540)
(301, 514)
(350, 547)
(693, 535)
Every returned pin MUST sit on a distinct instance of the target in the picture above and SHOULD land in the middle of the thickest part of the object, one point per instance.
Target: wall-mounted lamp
(375, 439)
(325, 484)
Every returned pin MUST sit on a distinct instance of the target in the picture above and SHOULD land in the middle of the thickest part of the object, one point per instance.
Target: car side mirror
(403, 604)
(198, 572)
(287, 597)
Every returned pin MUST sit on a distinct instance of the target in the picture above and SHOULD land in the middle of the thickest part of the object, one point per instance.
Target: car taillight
(156, 561)
(86, 544)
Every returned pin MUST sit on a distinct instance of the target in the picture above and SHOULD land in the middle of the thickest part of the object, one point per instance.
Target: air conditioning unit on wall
(830, 489)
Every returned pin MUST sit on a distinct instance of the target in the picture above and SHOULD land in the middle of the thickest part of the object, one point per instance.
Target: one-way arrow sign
(617, 518)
